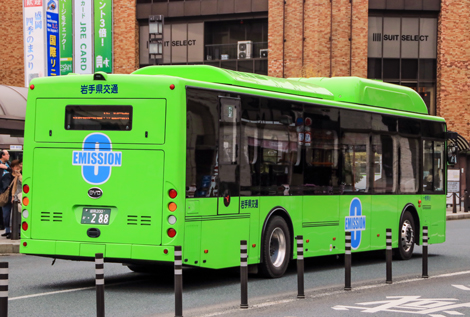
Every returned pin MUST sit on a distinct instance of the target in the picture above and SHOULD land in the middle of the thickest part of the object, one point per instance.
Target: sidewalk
(13, 246)
(7, 245)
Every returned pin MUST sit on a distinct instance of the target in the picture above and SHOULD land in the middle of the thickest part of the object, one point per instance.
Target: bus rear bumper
(129, 253)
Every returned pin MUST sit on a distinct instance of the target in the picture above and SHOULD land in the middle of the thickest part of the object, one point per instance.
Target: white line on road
(66, 291)
(267, 304)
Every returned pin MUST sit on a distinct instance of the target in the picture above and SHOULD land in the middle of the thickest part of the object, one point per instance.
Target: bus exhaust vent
(48, 216)
(134, 220)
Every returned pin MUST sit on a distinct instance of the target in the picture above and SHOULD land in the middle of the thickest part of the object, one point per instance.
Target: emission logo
(96, 158)
(355, 223)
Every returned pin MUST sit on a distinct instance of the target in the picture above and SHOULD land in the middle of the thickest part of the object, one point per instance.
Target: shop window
(409, 69)
(391, 68)
(374, 68)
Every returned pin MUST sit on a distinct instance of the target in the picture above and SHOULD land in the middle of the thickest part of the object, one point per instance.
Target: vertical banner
(33, 28)
(83, 33)
(52, 38)
(103, 35)
(65, 36)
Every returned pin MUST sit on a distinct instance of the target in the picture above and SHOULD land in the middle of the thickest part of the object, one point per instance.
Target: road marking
(68, 290)
(463, 288)
(365, 287)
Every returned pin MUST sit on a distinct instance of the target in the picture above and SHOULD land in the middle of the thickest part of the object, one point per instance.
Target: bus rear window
(109, 118)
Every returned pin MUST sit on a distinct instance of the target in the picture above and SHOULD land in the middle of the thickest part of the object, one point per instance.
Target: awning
(12, 111)
(460, 142)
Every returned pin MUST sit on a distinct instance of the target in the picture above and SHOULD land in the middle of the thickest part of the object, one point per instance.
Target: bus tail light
(172, 193)
(25, 201)
(171, 232)
(26, 188)
(24, 226)
(172, 207)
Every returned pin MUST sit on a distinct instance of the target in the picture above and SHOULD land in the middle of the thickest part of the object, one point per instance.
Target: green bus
(202, 157)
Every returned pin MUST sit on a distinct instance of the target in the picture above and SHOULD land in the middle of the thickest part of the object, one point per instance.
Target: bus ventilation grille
(51, 216)
(139, 220)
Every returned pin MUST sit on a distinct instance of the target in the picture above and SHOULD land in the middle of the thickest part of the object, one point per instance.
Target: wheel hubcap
(407, 236)
(277, 247)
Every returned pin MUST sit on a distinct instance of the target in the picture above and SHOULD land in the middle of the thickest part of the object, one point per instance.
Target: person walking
(16, 189)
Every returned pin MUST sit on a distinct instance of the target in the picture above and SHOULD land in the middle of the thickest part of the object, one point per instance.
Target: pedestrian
(6, 182)
(16, 189)
(4, 167)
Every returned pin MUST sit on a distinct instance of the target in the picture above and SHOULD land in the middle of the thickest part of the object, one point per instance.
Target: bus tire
(406, 240)
(276, 248)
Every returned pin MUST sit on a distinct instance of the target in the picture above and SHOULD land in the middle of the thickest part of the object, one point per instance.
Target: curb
(9, 248)
(458, 216)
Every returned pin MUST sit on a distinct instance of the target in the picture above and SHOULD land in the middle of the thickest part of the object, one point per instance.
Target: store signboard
(402, 37)
(52, 38)
(83, 36)
(103, 35)
(65, 36)
(183, 42)
(34, 33)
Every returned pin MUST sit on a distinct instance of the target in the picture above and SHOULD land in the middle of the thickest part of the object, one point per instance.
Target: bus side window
(428, 165)
(409, 165)
(250, 147)
(201, 144)
(385, 163)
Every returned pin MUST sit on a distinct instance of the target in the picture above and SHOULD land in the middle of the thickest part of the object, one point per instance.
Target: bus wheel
(407, 234)
(276, 248)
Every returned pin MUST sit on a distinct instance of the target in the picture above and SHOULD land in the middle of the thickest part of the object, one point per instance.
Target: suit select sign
(402, 37)
(183, 43)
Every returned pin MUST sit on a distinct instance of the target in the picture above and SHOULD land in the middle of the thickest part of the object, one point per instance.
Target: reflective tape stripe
(180, 253)
(243, 264)
(425, 244)
(100, 282)
(243, 247)
(389, 247)
(4, 294)
(178, 262)
(3, 282)
(99, 261)
(300, 249)
(99, 271)
(300, 257)
(425, 230)
(178, 272)
(243, 256)
(300, 241)
(4, 271)
(389, 234)
(348, 251)
(348, 244)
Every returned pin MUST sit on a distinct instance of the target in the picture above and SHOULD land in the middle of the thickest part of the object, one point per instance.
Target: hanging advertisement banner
(83, 36)
(103, 35)
(52, 38)
(33, 30)
(65, 36)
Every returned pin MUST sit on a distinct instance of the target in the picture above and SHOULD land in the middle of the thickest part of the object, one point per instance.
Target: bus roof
(344, 89)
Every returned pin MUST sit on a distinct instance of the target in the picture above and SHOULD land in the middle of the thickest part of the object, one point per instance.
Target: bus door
(228, 158)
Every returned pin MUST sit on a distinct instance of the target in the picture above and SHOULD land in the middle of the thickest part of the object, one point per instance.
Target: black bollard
(244, 274)
(347, 262)
(4, 289)
(99, 281)
(178, 281)
(425, 252)
(388, 256)
(454, 203)
(300, 267)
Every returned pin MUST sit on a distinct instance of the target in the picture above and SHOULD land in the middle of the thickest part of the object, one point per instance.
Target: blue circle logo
(96, 158)
(355, 222)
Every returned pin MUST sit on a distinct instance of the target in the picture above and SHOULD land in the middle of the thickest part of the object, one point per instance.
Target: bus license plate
(96, 216)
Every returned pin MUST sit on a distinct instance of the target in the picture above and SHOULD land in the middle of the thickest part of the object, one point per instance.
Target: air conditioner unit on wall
(244, 49)
(263, 53)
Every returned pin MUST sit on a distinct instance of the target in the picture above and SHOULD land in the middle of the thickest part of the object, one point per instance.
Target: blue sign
(355, 223)
(97, 158)
(53, 49)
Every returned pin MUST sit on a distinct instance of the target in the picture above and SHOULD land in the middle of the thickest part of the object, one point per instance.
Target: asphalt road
(67, 288)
